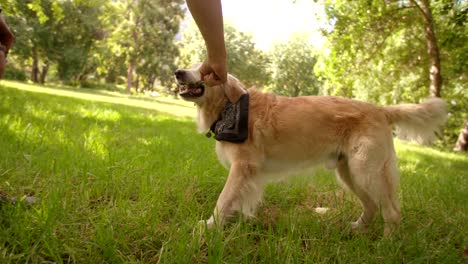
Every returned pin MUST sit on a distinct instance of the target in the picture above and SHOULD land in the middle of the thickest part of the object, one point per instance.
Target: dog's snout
(179, 74)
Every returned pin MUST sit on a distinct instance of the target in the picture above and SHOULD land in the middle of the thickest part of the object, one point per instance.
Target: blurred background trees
(244, 61)
(384, 52)
(293, 65)
(399, 51)
(76, 42)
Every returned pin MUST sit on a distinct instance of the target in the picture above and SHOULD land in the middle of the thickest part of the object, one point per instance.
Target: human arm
(209, 19)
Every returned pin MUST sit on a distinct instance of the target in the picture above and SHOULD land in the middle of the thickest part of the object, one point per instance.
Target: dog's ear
(233, 89)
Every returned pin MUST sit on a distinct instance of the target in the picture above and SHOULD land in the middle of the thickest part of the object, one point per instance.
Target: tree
(462, 141)
(158, 55)
(293, 68)
(148, 48)
(246, 62)
(31, 23)
(383, 51)
(452, 33)
(99, 39)
(424, 9)
(373, 54)
(106, 56)
(59, 32)
(77, 26)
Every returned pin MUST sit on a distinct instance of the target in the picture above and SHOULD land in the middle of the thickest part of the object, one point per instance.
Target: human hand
(214, 72)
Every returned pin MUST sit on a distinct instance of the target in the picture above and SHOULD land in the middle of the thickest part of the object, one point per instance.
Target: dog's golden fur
(285, 133)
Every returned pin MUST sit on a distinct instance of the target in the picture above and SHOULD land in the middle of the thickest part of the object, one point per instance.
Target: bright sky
(270, 21)
(275, 20)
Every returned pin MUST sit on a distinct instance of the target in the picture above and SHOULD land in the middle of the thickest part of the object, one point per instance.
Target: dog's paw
(358, 227)
(203, 225)
(390, 229)
(199, 229)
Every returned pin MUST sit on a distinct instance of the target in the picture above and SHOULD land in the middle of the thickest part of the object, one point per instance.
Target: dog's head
(193, 88)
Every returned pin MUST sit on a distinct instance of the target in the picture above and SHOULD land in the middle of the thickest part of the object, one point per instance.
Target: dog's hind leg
(370, 207)
(240, 193)
(388, 195)
(371, 174)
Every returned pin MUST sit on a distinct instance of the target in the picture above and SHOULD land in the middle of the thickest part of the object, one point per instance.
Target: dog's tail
(418, 122)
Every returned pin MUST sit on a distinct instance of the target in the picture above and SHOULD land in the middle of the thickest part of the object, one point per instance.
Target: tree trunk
(462, 142)
(35, 66)
(110, 77)
(131, 68)
(296, 91)
(137, 83)
(132, 56)
(44, 71)
(151, 81)
(432, 47)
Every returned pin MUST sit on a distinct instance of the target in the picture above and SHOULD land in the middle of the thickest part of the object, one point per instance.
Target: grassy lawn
(124, 179)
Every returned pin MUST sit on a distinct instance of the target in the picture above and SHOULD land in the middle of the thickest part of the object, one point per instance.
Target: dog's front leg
(240, 193)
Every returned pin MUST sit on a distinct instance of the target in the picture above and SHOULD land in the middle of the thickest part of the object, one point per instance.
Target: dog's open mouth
(191, 90)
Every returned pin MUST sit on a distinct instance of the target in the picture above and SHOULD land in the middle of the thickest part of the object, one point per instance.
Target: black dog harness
(233, 124)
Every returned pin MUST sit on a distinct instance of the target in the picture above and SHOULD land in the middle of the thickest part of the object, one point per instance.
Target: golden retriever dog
(291, 133)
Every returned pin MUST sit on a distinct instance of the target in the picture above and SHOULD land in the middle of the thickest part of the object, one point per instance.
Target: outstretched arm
(209, 18)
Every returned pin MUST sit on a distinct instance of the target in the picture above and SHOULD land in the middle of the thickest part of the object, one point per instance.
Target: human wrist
(218, 56)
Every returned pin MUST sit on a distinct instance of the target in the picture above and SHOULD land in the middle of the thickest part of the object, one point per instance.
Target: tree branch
(420, 10)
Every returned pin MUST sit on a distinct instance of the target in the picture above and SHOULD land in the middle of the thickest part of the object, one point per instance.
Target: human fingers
(205, 69)
(212, 80)
(220, 71)
(208, 75)
(214, 74)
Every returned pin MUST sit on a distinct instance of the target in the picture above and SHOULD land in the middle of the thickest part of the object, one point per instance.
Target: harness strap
(233, 124)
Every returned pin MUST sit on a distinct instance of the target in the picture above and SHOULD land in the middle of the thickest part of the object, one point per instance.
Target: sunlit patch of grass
(162, 104)
(124, 182)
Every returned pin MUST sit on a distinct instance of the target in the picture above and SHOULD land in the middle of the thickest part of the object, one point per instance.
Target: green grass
(124, 179)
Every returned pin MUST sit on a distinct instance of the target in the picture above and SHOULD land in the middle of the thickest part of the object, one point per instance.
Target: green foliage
(373, 53)
(107, 58)
(293, 65)
(244, 61)
(377, 52)
(288, 69)
(36, 7)
(96, 39)
(376, 49)
(123, 183)
(14, 73)
(452, 29)
(159, 33)
(25, 23)
(54, 32)
(150, 27)
(77, 36)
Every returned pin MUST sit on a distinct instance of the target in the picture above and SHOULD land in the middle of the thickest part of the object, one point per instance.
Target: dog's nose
(179, 74)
